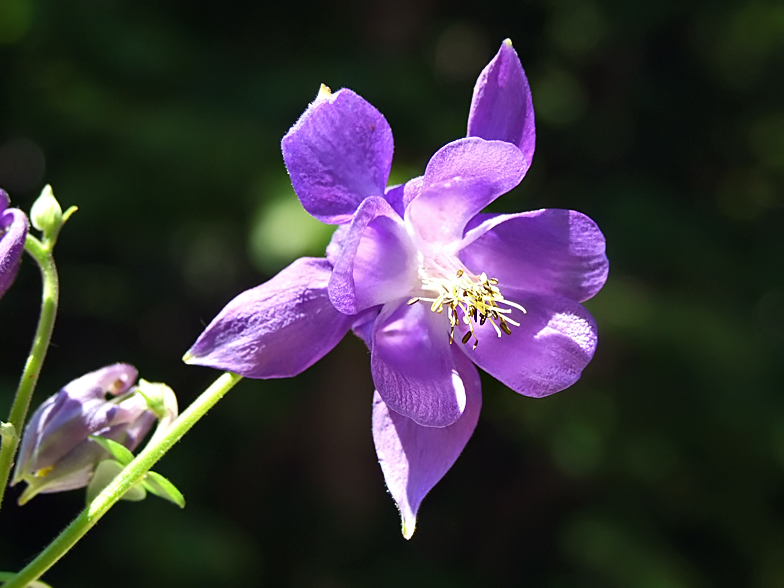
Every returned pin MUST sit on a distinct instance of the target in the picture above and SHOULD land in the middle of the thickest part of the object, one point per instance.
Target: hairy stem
(49, 298)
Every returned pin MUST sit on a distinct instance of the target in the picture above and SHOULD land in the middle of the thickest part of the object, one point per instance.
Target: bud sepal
(108, 469)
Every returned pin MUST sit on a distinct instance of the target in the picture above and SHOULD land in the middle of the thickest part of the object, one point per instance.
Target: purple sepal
(358, 281)
(337, 154)
(13, 231)
(548, 351)
(56, 453)
(414, 458)
(502, 108)
(413, 367)
(275, 330)
(563, 252)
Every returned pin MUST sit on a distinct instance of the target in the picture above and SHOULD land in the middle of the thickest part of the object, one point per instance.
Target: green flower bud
(46, 213)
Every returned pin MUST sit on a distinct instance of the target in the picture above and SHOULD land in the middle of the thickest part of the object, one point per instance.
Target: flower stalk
(125, 480)
(49, 300)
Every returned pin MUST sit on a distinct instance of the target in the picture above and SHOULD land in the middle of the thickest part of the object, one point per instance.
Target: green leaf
(162, 487)
(106, 471)
(118, 451)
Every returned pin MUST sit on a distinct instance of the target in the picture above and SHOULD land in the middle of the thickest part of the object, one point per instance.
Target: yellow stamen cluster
(478, 300)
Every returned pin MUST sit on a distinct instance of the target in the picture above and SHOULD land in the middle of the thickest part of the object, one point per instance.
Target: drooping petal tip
(414, 458)
(407, 524)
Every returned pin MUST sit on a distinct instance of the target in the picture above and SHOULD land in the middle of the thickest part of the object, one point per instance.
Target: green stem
(43, 256)
(133, 473)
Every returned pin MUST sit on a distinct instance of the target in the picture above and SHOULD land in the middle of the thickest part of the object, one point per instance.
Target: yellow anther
(477, 299)
(43, 472)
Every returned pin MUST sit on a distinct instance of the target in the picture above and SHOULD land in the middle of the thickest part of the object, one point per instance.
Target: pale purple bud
(56, 453)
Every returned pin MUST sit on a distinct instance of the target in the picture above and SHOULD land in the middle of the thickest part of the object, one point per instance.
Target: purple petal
(338, 153)
(552, 251)
(501, 108)
(399, 197)
(493, 161)
(548, 351)
(72, 471)
(377, 261)
(460, 180)
(415, 458)
(413, 367)
(113, 379)
(13, 231)
(275, 330)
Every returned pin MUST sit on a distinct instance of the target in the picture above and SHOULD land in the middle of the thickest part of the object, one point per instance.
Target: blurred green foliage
(664, 121)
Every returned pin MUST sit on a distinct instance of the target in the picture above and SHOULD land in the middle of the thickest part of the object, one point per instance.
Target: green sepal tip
(121, 453)
(162, 487)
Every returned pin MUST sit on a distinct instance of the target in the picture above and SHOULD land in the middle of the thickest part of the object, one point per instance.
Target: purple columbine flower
(56, 453)
(433, 285)
(13, 231)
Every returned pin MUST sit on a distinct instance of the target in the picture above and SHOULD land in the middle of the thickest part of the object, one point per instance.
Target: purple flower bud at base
(56, 453)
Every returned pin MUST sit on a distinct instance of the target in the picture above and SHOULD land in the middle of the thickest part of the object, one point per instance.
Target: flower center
(470, 298)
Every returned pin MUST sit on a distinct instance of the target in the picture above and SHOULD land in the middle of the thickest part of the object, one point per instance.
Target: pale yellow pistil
(477, 297)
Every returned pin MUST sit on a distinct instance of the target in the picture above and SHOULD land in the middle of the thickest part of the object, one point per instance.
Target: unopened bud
(56, 453)
(46, 213)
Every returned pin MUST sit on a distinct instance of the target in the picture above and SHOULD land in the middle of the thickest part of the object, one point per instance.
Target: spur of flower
(13, 231)
(433, 285)
(57, 453)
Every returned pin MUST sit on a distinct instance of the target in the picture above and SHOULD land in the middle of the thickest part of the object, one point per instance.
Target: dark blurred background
(663, 121)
